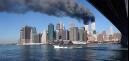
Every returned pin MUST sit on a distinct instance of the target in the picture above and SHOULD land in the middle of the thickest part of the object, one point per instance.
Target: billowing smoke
(58, 8)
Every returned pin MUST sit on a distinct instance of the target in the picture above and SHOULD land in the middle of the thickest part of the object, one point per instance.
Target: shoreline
(66, 44)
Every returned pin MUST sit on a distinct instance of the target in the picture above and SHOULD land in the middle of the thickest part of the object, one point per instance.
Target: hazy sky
(11, 23)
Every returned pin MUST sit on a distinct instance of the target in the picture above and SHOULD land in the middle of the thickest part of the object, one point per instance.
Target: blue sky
(11, 23)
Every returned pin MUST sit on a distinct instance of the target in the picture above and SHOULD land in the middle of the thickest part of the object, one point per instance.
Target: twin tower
(90, 25)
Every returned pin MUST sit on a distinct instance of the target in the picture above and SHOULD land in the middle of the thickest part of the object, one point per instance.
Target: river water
(93, 52)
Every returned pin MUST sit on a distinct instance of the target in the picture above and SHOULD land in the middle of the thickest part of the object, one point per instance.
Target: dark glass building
(51, 32)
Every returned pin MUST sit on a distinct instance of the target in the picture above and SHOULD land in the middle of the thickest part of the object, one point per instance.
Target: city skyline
(56, 34)
(11, 22)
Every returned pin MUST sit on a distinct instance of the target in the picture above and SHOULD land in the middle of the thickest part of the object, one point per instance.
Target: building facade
(27, 34)
(44, 38)
(51, 32)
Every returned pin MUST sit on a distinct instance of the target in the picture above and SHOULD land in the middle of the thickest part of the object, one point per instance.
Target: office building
(60, 31)
(27, 35)
(44, 37)
(38, 38)
(33, 34)
(67, 35)
(74, 34)
(93, 27)
(81, 35)
(51, 32)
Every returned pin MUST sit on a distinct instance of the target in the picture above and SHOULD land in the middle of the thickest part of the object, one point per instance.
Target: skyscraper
(57, 34)
(74, 34)
(67, 35)
(71, 34)
(58, 26)
(33, 34)
(61, 25)
(38, 38)
(111, 30)
(51, 32)
(60, 31)
(93, 27)
(27, 34)
(44, 37)
(85, 36)
(64, 34)
(71, 31)
(81, 34)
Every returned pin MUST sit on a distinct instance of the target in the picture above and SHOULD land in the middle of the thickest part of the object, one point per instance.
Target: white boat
(57, 46)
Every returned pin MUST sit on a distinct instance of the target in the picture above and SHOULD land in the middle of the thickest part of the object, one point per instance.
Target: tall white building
(110, 30)
(61, 25)
(33, 34)
(93, 27)
(60, 31)
(44, 37)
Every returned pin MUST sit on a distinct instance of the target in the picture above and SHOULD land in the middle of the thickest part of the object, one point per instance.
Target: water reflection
(103, 52)
(25, 53)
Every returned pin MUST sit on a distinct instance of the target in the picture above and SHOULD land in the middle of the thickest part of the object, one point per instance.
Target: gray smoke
(57, 8)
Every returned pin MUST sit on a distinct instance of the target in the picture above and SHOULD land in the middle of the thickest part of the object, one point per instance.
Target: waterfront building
(64, 34)
(60, 31)
(117, 37)
(110, 30)
(57, 34)
(39, 38)
(51, 32)
(27, 34)
(85, 36)
(33, 34)
(44, 37)
(71, 33)
(74, 34)
(81, 35)
(100, 37)
(67, 34)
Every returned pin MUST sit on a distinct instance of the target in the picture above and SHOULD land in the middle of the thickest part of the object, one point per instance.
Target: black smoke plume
(58, 8)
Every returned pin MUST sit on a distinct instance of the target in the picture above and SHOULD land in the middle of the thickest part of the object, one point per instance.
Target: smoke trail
(57, 8)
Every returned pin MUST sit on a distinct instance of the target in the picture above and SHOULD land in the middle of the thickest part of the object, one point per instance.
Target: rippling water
(93, 52)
